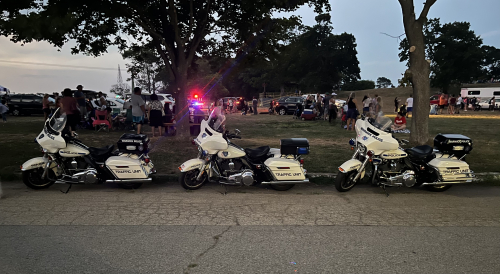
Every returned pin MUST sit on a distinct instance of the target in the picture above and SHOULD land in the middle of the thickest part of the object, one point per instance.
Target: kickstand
(67, 190)
(386, 193)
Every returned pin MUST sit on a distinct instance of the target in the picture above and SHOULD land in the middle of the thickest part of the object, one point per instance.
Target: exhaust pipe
(130, 181)
(286, 182)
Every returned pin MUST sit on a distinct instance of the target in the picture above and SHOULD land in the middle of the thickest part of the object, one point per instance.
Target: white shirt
(366, 102)
(459, 100)
(137, 102)
(409, 102)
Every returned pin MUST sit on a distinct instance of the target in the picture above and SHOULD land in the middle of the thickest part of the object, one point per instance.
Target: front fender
(191, 164)
(350, 165)
(38, 162)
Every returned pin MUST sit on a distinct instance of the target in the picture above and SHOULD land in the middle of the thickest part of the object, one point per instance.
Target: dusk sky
(366, 19)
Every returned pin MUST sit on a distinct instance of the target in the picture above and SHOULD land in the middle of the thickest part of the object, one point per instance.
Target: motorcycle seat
(257, 153)
(101, 152)
(420, 152)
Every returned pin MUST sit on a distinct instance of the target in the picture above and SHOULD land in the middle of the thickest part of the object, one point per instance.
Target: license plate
(458, 148)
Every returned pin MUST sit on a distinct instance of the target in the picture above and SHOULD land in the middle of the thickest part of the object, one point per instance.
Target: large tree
(383, 82)
(419, 68)
(178, 29)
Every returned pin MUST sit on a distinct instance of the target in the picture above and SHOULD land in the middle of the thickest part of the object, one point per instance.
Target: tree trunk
(181, 105)
(419, 70)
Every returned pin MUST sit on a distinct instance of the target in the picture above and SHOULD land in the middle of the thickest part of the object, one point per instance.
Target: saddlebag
(133, 143)
(452, 170)
(127, 166)
(285, 169)
(294, 146)
(453, 144)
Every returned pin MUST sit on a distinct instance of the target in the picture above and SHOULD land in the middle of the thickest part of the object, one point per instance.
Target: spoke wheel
(188, 179)
(33, 179)
(282, 111)
(345, 181)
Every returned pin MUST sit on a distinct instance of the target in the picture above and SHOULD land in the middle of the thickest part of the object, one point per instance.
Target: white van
(481, 93)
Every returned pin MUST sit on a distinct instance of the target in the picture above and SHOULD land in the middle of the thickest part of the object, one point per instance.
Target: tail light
(193, 142)
(301, 161)
(146, 160)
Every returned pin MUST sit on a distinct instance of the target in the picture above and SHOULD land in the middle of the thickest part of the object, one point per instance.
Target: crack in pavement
(216, 238)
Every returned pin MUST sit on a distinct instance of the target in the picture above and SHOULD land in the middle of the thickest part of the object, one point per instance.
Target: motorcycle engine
(230, 166)
(391, 166)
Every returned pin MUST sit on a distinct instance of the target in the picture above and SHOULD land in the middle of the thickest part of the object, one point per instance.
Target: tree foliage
(383, 82)
(147, 68)
(177, 29)
(454, 51)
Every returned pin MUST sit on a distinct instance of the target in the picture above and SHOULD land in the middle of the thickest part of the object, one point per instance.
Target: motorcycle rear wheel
(345, 181)
(33, 179)
(439, 188)
(188, 179)
(282, 187)
(130, 185)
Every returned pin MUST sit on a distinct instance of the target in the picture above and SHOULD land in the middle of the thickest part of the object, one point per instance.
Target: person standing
(138, 109)
(332, 109)
(460, 104)
(492, 103)
(70, 107)
(80, 99)
(442, 102)
(254, 103)
(326, 109)
(366, 104)
(451, 104)
(352, 111)
(231, 104)
(373, 109)
(409, 105)
(155, 114)
(396, 104)
(4, 110)
(466, 103)
(46, 107)
(378, 107)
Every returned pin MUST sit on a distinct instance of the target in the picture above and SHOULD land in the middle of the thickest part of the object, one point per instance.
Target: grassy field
(329, 147)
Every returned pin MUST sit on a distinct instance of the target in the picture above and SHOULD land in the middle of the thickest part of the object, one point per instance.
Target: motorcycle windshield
(58, 121)
(216, 119)
(381, 122)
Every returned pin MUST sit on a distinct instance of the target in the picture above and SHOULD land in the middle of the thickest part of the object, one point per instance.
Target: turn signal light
(301, 161)
(370, 153)
(146, 160)
(193, 142)
(341, 169)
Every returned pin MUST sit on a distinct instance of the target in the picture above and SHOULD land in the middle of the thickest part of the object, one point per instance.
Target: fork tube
(360, 170)
(202, 170)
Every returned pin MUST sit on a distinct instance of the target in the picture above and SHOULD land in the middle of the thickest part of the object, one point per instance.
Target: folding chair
(98, 122)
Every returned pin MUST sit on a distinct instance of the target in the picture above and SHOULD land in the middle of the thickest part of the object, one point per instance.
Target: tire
(130, 185)
(343, 182)
(16, 112)
(303, 119)
(439, 188)
(282, 187)
(33, 179)
(282, 111)
(188, 179)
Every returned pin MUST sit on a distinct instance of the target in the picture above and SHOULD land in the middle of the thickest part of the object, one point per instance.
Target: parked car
(485, 104)
(434, 100)
(287, 105)
(25, 104)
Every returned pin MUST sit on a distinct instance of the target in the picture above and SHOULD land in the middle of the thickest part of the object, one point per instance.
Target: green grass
(329, 143)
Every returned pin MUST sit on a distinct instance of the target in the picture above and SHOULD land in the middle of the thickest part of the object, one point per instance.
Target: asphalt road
(161, 228)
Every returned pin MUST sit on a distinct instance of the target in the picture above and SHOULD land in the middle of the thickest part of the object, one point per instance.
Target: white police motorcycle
(68, 160)
(220, 160)
(437, 169)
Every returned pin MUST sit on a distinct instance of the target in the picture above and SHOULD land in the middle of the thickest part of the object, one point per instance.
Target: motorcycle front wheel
(33, 179)
(345, 181)
(188, 179)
